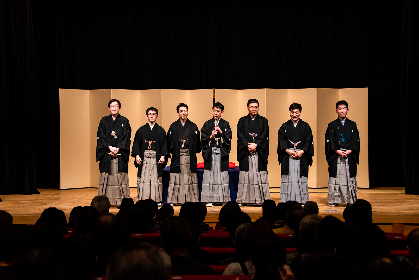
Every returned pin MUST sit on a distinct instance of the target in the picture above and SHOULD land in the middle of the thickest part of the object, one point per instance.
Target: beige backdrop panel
(74, 139)
(277, 103)
(98, 108)
(308, 100)
(357, 99)
(318, 111)
(326, 104)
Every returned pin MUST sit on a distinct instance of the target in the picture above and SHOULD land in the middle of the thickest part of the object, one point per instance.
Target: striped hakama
(114, 184)
(149, 185)
(183, 186)
(215, 183)
(342, 189)
(253, 184)
(293, 186)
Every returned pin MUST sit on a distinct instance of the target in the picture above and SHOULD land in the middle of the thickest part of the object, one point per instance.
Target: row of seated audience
(100, 243)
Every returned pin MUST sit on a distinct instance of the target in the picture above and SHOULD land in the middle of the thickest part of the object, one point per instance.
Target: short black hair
(151, 109)
(139, 261)
(252, 100)
(175, 232)
(218, 105)
(294, 106)
(342, 102)
(114, 100)
(181, 105)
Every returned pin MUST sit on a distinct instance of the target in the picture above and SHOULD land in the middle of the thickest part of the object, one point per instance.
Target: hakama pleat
(293, 186)
(149, 185)
(183, 186)
(114, 184)
(342, 189)
(253, 184)
(215, 183)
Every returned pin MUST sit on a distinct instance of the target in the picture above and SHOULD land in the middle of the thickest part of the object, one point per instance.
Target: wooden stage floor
(390, 205)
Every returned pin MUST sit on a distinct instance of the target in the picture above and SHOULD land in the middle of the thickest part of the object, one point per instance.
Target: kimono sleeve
(282, 143)
(263, 141)
(226, 137)
(308, 140)
(102, 141)
(205, 141)
(125, 141)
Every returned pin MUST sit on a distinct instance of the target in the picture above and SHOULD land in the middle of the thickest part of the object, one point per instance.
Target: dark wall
(228, 44)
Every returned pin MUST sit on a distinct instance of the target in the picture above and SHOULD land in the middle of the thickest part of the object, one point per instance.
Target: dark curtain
(17, 85)
(225, 44)
(409, 95)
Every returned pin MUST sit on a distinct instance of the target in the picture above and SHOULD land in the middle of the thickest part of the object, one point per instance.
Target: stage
(390, 205)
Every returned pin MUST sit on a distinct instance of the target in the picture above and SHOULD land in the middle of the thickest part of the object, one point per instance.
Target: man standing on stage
(252, 155)
(342, 155)
(295, 152)
(216, 145)
(183, 142)
(149, 150)
(112, 150)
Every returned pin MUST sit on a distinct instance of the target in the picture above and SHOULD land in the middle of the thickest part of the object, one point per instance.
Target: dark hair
(114, 100)
(101, 203)
(413, 242)
(5, 220)
(219, 106)
(86, 220)
(175, 232)
(294, 106)
(226, 211)
(190, 211)
(342, 102)
(40, 263)
(311, 207)
(139, 261)
(55, 215)
(359, 213)
(181, 105)
(268, 255)
(254, 232)
(235, 220)
(329, 234)
(166, 210)
(252, 100)
(140, 219)
(294, 216)
(151, 109)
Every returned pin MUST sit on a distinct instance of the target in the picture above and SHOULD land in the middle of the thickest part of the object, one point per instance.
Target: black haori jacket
(173, 145)
(225, 144)
(262, 140)
(303, 133)
(337, 137)
(115, 133)
(139, 146)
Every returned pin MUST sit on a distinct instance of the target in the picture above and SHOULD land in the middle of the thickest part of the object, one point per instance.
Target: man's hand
(161, 161)
(138, 159)
(343, 154)
(217, 129)
(114, 151)
(252, 147)
(299, 154)
(213, 134)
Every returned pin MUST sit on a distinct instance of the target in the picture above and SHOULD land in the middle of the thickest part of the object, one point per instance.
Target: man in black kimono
(112, 151)
(216, 145)
(149, 150)
(252, 155)
(342, 155)
(183, 142)
(295, 152)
